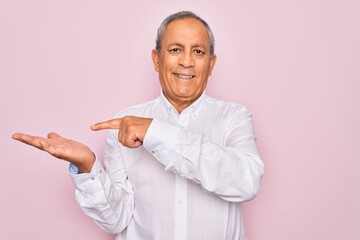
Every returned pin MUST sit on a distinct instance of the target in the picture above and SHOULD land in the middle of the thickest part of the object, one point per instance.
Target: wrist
(87, 165)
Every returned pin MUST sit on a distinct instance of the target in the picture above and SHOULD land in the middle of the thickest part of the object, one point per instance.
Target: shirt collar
(194, 108)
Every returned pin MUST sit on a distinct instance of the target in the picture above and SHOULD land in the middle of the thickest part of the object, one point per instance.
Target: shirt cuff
(88, 182)
(160, 138)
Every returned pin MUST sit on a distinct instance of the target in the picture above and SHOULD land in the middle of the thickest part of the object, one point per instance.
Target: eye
(174, 50)
(199, 52)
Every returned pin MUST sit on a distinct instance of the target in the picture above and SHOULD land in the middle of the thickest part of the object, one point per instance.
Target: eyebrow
(175, 43)
(181, 45)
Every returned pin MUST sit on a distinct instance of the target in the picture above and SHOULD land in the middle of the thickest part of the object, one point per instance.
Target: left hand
(132, 129)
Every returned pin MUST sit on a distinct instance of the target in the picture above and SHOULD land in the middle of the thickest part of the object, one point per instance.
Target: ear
(212, 63)
(155, 58)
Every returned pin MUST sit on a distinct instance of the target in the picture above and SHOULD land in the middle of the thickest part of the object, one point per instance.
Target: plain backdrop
(65, 65)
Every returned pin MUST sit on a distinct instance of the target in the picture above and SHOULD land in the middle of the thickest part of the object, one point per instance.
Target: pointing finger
(110, 124)
(16, 136)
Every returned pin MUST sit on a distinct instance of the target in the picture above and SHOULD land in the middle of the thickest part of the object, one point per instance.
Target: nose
(186, 59)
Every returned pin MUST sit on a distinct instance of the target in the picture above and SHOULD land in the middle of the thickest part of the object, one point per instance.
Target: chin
(185, 94)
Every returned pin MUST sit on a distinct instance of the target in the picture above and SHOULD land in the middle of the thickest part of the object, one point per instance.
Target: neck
(181, 104)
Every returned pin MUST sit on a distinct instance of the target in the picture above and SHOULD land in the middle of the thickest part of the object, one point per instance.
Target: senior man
(185, 162)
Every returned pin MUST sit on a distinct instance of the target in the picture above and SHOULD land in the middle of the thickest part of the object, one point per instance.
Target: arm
(231, 171)
(108, 197)
(105, 197)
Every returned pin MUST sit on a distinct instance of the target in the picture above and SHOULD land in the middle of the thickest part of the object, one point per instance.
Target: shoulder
(224, 106)
(227, 113)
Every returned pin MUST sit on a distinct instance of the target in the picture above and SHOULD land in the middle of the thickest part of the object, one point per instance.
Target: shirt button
(180, 202)
(92, 178)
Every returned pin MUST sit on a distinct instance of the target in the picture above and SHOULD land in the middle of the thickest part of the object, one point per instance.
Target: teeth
(184, 77)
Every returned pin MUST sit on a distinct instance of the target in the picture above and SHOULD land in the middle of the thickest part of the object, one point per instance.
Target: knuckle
(125, 119)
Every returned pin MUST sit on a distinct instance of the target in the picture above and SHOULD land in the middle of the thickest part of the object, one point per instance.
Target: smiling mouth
(184, 76)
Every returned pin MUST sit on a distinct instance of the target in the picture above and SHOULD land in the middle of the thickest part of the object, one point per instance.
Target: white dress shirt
(187, 181)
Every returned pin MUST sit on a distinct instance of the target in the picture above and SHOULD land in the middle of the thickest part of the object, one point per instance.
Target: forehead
(186, 31)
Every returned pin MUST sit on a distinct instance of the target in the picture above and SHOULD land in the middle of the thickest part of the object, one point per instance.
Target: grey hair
(180, 15)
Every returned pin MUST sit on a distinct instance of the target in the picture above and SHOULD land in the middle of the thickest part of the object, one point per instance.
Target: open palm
(62, 148)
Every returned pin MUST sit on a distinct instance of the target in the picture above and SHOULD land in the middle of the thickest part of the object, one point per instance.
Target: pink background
(65, 65)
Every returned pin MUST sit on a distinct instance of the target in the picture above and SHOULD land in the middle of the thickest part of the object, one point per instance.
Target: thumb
(53, 135)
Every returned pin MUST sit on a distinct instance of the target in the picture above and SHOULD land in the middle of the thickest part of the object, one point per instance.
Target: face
(184, 63)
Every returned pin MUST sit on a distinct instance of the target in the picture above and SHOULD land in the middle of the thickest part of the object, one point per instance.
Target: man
(186, 161)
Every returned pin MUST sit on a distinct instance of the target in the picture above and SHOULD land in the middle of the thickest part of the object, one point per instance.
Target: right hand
(62, 148)
(132, 130)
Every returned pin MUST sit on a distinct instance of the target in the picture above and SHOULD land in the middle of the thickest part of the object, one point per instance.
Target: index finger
(110, 124)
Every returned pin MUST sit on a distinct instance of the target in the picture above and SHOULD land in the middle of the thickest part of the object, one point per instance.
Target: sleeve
(106, 196)
(232, 172)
